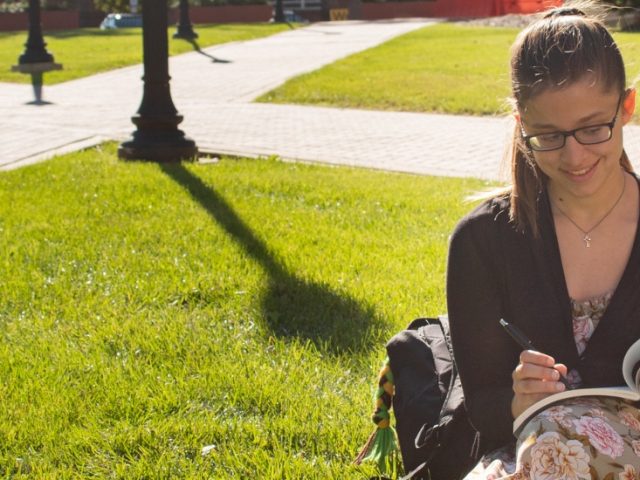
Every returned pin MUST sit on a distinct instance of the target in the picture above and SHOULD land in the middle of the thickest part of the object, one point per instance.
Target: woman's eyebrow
(582, 120)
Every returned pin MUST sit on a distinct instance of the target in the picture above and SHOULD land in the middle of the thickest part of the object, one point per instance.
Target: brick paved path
(215, 98)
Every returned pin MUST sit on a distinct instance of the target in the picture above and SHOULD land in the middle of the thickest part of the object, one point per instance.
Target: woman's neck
(587, 210)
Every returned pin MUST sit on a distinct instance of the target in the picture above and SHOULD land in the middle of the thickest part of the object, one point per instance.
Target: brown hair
(555, 51)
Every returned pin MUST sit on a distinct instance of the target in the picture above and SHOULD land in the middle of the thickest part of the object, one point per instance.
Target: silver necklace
(587, 233)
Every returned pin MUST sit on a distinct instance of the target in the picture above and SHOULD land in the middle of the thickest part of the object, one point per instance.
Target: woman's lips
(583, 173)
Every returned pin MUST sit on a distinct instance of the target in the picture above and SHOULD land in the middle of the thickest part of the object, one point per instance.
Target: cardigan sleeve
(484, 354)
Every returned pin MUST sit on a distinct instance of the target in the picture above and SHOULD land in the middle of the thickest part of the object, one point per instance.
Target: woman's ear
(628, 105)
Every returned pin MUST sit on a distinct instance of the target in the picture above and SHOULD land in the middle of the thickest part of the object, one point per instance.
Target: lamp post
(278, 15)
(36, 51)
(35, 60)
(157, 137)
(185, 29)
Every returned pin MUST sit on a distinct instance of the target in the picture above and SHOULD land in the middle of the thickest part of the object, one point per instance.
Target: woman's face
(577, 170)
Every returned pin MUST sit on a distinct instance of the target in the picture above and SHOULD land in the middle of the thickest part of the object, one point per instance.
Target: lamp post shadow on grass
(291, 306)
(197, 48)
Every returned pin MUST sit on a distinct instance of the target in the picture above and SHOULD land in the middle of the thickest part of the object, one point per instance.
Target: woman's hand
(536, 376)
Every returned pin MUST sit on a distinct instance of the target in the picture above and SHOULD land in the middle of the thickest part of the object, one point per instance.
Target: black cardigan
(495, 272)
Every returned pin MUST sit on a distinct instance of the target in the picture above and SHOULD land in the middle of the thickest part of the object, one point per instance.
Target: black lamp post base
(158, 147)
(279, 17)
(185, 33)
(35, 57)
(278, 12)
(185, 28)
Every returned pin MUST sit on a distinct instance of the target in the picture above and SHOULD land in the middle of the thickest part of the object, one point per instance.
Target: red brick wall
(60, 20)
(51, 20)
(13, 21)
(378, 11)
(525, 6)
(230, 14)
(453, 8)
(55, 20)
(437, 8)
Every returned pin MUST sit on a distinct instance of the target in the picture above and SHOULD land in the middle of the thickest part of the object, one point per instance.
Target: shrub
(58, 4)
(112, 6)
(13, 6)
(17, 6)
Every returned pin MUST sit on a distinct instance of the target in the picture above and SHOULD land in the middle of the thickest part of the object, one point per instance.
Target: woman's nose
(573, 151)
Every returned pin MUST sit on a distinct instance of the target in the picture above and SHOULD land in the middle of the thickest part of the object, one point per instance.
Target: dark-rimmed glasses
(591, 135)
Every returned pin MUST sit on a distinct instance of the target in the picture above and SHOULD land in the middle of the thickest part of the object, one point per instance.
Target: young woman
(559, 257)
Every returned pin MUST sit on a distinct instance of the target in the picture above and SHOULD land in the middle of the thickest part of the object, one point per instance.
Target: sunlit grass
(151, 311)
(445, 68)
(88, 51)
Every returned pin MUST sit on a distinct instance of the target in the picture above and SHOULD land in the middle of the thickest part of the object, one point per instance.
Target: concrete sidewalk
(215, 97)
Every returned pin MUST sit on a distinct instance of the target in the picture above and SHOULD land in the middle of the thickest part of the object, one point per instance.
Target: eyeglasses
(591, 135)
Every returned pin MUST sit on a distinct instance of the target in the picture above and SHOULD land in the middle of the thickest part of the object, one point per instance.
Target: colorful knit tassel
(381, 446)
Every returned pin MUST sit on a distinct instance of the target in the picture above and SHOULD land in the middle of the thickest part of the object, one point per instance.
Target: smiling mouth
(582, 172)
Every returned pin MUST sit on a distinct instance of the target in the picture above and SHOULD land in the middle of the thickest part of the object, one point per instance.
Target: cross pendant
(587, 240)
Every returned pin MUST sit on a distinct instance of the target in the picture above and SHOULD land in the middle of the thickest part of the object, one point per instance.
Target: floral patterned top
(586, 315)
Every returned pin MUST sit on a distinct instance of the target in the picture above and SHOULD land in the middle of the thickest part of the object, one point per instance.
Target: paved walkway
(215, 97)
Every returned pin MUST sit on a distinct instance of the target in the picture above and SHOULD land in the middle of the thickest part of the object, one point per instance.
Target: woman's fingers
(536, 376)
(526, 371)
(560, 367)
(536, 358)
(529, 387)
(536, 366)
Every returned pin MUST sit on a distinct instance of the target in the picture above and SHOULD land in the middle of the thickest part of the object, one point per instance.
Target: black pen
(527, 344)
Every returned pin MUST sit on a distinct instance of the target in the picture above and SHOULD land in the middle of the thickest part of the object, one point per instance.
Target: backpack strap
(429, 436)
(433, 437)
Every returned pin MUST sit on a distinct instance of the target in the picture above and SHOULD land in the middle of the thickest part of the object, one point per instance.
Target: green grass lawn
(149, 311)
(446, 68)
(91, 50)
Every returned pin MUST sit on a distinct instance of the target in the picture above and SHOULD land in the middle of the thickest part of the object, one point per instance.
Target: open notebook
(630, 391)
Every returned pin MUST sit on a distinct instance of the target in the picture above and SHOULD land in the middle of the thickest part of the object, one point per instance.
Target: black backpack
(437, 441)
